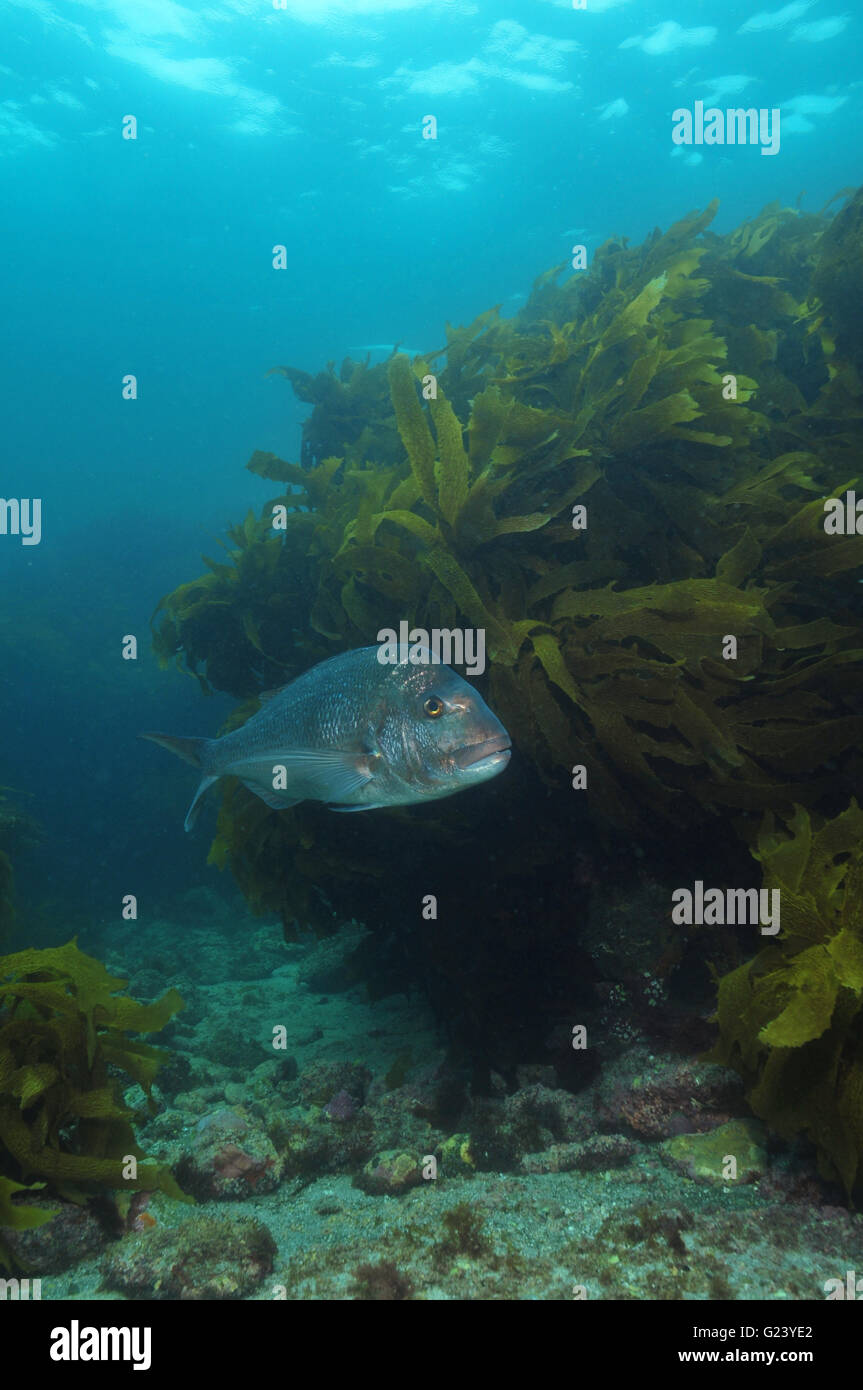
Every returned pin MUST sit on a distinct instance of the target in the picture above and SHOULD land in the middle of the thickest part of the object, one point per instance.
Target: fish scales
(357, 734)
(315, 710)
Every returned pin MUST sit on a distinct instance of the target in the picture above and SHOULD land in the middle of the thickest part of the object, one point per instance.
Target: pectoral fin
(308, 775)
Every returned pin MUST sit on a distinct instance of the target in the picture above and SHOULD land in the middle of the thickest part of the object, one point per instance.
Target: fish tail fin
(190, 750)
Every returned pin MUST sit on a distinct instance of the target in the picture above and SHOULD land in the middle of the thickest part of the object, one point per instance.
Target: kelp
(17, 1216)
(791, 1019)
(704, 518)
(350, 410)
(624, 485)
(64, 1039)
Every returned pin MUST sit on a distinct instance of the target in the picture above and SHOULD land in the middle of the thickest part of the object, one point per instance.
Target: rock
(228, 1040)
(330, 967)
(396, 1123)
(704, 1157)
(229, 1158)
(207, 1257)
(657, 1098)
(529, 1121)
(341, 1108)
(562, 1114)
(320, 1144)
(601, 1153)
(389, 1174)
(72, 1235)
(318, 1083)
(456, 1157)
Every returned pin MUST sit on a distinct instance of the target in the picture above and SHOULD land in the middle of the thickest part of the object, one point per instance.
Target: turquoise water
(154, 155)
(302, 128)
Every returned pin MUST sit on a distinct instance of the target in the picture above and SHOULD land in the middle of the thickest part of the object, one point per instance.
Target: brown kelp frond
(791, 1019)
(64, 1030)
(624, 485)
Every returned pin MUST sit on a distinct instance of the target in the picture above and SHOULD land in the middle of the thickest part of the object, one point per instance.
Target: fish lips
(487, 753)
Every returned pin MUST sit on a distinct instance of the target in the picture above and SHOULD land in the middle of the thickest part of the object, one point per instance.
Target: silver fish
(357, 734)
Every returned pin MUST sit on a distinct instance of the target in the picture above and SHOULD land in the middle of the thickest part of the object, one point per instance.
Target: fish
(389, 348)
(358, 735)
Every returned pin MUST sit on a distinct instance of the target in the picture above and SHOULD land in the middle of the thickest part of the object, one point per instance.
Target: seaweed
(349, 410)
(465, 1237)
(63, 1041)
(705, 518)
(791, 1019)
(381, 1282)
(17, 1216)
(612, 484)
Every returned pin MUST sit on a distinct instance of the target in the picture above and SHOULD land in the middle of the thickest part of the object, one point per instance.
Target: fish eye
(434, 707)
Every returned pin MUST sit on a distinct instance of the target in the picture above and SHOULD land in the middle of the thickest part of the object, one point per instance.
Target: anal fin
(371, 806)
(280, 801)
(193, 811)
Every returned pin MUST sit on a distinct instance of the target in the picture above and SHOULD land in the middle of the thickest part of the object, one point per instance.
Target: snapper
(357, 734)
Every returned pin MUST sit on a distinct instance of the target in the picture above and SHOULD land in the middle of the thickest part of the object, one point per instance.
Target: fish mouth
(487, 752)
